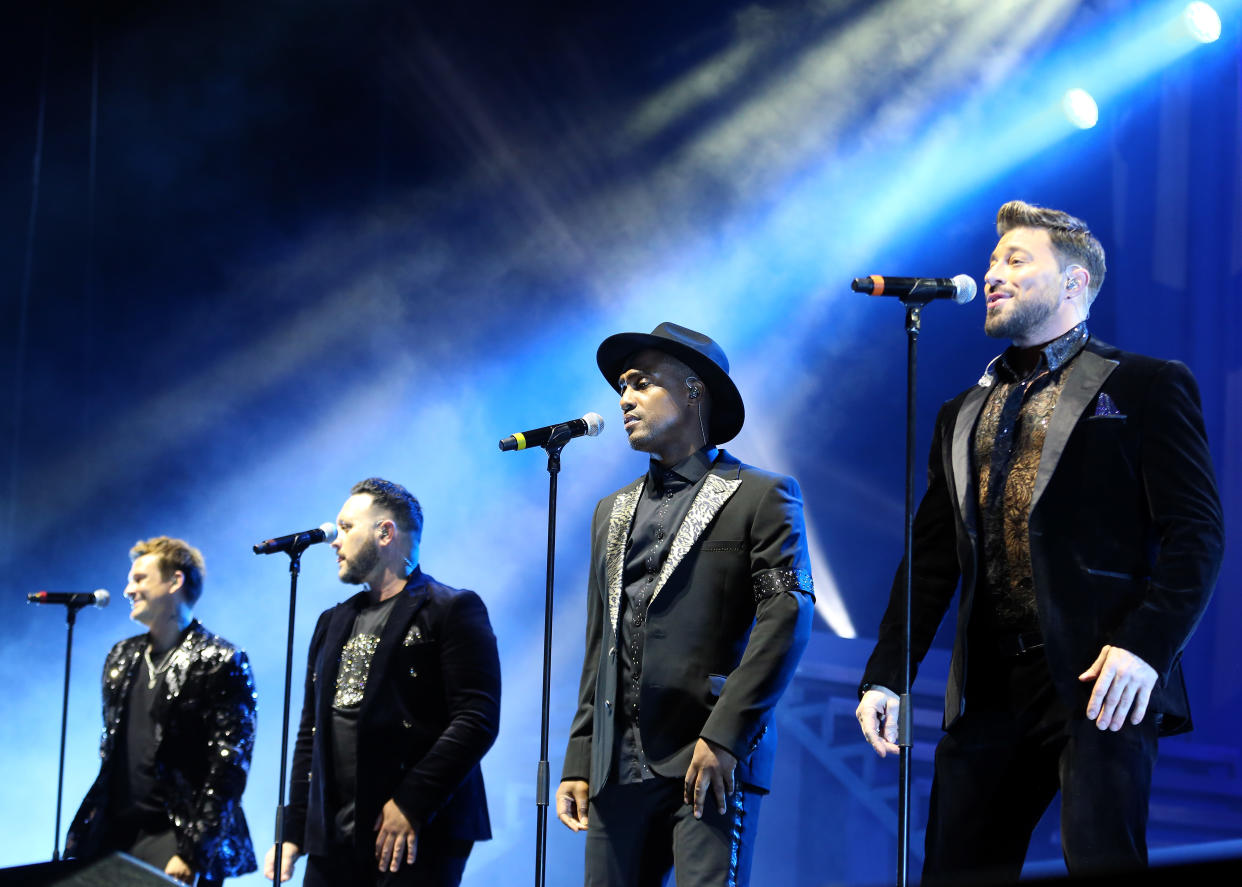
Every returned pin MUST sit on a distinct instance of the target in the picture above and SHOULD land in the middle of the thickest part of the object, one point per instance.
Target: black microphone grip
(325, 532)
(590, 425)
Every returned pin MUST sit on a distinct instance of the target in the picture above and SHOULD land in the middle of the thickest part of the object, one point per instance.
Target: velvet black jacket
(430, 711)
(205, 725)
(1126, 530)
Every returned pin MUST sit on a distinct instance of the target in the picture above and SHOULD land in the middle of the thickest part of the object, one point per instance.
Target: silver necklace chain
(153, 673)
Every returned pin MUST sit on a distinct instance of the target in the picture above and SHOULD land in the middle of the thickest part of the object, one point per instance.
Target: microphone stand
(71, 616)
(561, 436)
(295, 567)
(905, 721)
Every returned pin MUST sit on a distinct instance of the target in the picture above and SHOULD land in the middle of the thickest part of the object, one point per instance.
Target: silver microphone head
(329, 530)
(966, 288)
(594, 422)
(102, 597)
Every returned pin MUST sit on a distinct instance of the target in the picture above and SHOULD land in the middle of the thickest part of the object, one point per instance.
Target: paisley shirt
(1008, 444)
(667, 497)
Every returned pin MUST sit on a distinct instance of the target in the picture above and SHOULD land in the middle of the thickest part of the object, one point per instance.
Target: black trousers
(154, 845)
(437, 864)
(1000, 765)
(639, 832)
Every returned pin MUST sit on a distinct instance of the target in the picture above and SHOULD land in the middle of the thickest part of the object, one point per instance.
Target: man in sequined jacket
(179, 723)
(1071, 496)
(699, 605)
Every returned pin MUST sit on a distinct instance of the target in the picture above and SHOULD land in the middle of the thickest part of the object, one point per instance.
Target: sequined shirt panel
(1008, 444)
(667, 497)
(356, 655)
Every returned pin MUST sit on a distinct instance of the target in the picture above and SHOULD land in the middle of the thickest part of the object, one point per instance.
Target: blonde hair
(174, 555)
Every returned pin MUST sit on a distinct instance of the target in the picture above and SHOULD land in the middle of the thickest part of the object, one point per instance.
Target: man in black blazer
(1071, 491)
(699, 605)
(402, 701)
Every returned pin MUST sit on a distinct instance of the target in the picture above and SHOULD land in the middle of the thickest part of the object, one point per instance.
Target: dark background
(254, 252)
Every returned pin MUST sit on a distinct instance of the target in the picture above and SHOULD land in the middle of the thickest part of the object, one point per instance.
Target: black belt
(1015, 643)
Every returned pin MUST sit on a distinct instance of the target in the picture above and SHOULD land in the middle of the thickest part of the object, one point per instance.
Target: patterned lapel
(614, 548)
(1087, 375)
(714, 493)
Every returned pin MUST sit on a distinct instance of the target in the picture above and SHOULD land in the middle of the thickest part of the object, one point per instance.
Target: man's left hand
(396, 840)
(711, 767)
(1123, 685)
(177, 869)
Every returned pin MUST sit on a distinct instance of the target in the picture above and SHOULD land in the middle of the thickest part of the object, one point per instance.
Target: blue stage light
(1202, 22)
(1080, 108)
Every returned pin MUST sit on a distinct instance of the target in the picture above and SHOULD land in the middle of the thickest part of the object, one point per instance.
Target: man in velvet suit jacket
(1071, 491)
(402, 701)
(699, 605)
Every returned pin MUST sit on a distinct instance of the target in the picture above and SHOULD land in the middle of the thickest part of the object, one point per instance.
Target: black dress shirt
(667, 496)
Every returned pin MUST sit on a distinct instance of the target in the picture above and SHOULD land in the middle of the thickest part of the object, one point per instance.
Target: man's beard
(361, 565)
(1024, 315)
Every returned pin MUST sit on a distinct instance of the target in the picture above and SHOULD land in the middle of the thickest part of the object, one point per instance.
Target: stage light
(1080, 108)
(1202, 22)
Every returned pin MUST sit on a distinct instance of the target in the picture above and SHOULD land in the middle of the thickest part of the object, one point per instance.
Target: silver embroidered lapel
(714, 493)
(614, 549)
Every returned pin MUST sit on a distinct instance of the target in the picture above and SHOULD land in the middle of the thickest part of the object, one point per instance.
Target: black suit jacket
(205, 724)
(728, 619)
(1126, 529)
(430, 711)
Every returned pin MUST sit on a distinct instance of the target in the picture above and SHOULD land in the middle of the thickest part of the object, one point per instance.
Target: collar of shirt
(1052, 357)
(690, 469)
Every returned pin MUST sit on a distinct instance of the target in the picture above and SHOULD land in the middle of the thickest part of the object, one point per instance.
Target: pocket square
(1104, 406)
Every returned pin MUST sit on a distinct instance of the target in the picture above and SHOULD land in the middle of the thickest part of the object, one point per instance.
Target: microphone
(99, 598)
(960, 289)
(591, 424)
(297, 541)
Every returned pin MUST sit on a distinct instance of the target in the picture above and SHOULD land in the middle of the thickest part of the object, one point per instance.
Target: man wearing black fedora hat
(699, 606)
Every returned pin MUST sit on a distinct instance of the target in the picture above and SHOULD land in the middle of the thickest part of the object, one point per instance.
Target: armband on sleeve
(772, 582)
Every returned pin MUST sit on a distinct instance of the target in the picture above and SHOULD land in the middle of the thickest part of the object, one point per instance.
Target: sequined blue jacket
(205, 725)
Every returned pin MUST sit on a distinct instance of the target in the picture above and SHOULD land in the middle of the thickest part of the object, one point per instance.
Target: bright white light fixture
(1202, 22)
(1080, 108)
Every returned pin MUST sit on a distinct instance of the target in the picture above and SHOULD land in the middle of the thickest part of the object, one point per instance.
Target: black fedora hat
(696, 351)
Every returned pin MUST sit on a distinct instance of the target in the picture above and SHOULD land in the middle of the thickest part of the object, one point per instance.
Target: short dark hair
(173, 555)
(1071, 238)
(399, 502)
